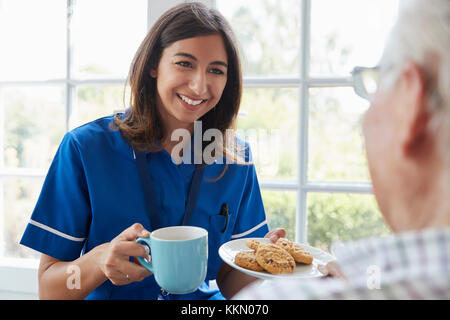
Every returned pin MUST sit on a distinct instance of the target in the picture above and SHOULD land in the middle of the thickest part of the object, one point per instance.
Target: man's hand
(331, 269)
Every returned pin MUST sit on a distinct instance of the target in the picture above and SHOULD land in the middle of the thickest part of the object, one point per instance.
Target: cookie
(284, 243)
(252, 244)
(300, 255)
(247, 259)
(274, 259)
(295, 250)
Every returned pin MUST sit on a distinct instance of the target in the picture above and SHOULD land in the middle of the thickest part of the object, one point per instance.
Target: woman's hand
(276, 234)
(115, 259)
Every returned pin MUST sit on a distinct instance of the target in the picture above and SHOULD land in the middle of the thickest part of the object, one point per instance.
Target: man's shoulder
(420, 287)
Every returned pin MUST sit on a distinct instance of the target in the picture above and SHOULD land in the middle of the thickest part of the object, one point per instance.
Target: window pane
(346, 33)
(33, 124)
(96, 102)
(280, 210)
(335, 142)
(32, 39)
(106, 35)
(334, 217)
(268, 121)
(17, 201)
(342, 217)
(268, 34)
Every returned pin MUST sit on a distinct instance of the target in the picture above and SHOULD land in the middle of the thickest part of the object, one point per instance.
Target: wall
(18, 279)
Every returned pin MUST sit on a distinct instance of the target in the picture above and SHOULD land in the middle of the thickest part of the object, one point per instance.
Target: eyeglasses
(365, 81)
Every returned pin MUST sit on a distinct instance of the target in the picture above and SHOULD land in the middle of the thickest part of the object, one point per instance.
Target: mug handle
(142, 261)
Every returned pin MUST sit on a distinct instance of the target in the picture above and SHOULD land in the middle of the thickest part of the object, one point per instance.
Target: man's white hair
(422, 35)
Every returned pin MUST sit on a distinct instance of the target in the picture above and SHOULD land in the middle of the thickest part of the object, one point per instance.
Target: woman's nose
(198, 83)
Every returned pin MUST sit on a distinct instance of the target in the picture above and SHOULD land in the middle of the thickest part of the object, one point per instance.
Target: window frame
(303, 83)
(19, 269)
(18, 276)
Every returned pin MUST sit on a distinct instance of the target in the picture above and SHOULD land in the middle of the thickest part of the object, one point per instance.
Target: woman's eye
(216, 71)
(185, 64)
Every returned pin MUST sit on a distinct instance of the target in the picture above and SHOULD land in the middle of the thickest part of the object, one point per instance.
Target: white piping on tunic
(234, 236)
(54, 231)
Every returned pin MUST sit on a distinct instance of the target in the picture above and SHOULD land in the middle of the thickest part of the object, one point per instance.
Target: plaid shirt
(410, 265)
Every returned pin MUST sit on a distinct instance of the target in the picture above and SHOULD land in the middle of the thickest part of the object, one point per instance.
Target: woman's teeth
(189, 101)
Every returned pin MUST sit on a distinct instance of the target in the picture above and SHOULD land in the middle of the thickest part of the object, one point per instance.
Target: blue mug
(179, 257)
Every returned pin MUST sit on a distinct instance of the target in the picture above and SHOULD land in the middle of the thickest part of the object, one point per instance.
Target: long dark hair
(142, 126)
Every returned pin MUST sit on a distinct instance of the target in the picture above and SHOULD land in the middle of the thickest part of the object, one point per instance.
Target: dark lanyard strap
(194, 191)
(150, 195)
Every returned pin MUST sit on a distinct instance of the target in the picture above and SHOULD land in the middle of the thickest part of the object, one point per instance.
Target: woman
(94, 201)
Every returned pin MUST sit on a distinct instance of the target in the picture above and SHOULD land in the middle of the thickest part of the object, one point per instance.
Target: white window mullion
(2, 220)
(339, 187)
(329, 82)
(294, 82)
(98, 82)
(324, 187)
(22, 173)
(156, 8)
(280, 185)
(250, 82)
(2, 165)
(302, 212)
(32, 83)
(70, 89)
(149, 14)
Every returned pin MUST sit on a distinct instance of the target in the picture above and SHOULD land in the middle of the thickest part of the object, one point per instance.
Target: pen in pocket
(224, 212)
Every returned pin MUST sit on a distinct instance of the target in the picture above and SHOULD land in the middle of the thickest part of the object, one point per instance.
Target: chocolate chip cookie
(252, 244)
(247, 259)
(295, 250)
(274, 259)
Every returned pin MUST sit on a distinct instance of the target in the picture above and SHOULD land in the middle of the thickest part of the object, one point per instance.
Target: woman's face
(190, 79)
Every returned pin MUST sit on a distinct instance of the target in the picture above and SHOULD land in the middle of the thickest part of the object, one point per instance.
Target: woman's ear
(153, 73)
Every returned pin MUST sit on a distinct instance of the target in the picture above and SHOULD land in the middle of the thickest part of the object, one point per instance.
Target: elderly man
(407, 134)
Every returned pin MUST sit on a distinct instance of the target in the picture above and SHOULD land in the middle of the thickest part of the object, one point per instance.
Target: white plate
(229, 250)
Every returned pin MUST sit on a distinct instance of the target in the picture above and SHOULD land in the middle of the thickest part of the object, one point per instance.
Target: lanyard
(150, 195)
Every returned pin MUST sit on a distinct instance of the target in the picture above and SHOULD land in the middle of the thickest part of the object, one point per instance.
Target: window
(298, 110)
(62, 64)
(299, 103)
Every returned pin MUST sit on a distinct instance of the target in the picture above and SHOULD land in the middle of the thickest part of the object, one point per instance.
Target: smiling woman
(191, 75)
(199, 79)
(108, 185)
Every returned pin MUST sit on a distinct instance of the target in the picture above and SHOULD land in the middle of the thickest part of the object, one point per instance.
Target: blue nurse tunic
(92, 192)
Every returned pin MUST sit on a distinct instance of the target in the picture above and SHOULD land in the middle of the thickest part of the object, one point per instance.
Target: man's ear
(416, 113)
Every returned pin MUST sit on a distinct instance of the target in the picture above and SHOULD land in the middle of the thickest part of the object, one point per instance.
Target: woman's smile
(190, 102)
